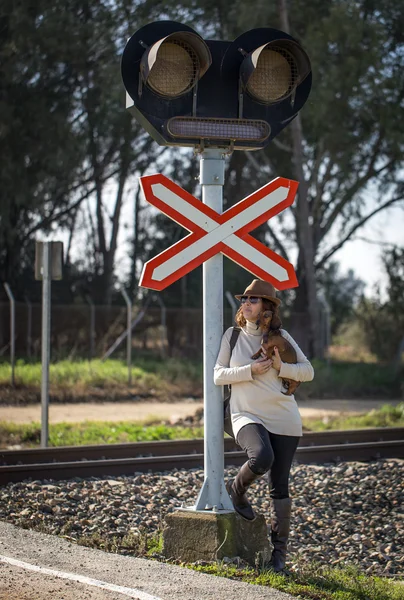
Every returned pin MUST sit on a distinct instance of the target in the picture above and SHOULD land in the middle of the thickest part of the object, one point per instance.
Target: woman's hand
(261, 366)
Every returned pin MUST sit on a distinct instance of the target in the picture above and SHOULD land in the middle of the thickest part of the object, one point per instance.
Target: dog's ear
(265, 319)
(276, 322)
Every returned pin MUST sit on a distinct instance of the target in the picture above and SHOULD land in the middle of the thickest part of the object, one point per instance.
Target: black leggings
(270, 452)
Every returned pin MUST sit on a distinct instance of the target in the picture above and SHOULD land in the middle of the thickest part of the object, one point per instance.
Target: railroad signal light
(187, 91)
(272, 72)
(173, 65)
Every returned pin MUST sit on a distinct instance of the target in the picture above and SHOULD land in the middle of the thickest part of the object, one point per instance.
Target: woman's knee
(262, 461)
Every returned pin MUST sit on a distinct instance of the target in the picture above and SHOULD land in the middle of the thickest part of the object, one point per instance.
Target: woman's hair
(276, 322)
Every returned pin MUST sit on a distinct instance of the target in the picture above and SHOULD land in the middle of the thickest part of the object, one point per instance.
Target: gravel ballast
(349, 513)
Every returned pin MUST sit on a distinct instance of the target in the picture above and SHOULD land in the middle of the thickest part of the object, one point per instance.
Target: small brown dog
(272, 338)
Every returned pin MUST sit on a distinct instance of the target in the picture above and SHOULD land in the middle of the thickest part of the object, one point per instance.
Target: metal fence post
(29, 326)
(123, 335)
(12, 331)
(129, 336)
(92, 326)
(233, 305)
(159, 300)
(325, 326)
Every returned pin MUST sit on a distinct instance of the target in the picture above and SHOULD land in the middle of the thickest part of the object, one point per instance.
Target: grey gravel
(349, 513)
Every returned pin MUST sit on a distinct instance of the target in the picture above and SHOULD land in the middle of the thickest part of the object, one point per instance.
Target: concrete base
(190, 536)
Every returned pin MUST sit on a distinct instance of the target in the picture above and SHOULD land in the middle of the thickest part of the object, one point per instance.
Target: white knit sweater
(258, 398)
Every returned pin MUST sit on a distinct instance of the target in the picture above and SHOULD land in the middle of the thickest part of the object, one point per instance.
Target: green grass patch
(111, 432)
(314, 581)
(153, 374)
(154, 544)
(93, 432)
(386, 416)
(148, 372)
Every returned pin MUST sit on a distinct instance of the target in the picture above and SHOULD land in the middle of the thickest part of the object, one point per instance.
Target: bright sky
(364, 257)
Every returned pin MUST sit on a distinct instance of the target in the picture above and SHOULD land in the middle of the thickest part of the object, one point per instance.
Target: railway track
(125, 459)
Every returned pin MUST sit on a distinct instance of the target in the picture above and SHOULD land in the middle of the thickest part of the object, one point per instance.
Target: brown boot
(237, 488)
(280, 525)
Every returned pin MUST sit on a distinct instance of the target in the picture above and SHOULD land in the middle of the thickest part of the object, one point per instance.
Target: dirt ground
(141, 411)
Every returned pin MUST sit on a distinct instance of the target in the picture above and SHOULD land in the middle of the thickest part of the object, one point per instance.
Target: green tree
(383, 319)
(64, 133)
(342, 293)
(41, 170)
(115, 147)
(61, 64)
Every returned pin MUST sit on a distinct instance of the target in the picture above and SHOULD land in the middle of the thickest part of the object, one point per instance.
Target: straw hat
(261, 289)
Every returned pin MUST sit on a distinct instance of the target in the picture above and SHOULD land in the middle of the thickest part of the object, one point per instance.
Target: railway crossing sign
(212, 232)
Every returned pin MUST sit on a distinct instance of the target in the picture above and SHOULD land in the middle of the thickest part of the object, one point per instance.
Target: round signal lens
(274, 77)
(175, 70)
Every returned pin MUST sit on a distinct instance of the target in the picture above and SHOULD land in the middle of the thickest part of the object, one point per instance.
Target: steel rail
(179, 447)
(331, 453)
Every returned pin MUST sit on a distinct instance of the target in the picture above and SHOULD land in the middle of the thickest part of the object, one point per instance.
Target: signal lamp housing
(187, 91)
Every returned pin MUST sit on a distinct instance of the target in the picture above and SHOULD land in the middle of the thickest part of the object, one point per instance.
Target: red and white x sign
(212, 233)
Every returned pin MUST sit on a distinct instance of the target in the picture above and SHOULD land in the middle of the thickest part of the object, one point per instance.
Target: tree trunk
(306, 249)
(307, 290)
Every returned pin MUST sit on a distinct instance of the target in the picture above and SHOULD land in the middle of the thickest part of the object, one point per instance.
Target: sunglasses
(251, 299)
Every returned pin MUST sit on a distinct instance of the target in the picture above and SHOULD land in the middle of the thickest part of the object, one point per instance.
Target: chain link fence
(88, 331)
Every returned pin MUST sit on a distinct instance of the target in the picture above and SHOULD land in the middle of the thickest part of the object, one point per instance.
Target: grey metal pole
(12, 331)
(45, 359)
(129, 336)
(213, 494)
(29, 326)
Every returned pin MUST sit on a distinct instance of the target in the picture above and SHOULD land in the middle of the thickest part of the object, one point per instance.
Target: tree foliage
(41, 166)
(66, 136)
(383, 319)
(342, 293)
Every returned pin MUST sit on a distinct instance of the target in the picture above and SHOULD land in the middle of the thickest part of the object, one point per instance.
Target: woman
(266, 422)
